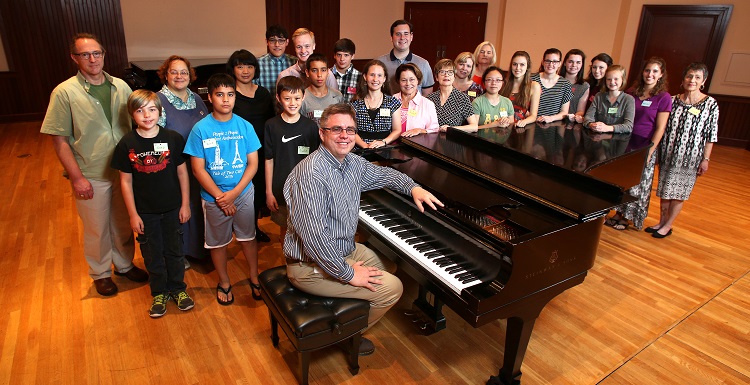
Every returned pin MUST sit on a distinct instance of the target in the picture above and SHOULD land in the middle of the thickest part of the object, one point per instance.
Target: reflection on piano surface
(515, 231)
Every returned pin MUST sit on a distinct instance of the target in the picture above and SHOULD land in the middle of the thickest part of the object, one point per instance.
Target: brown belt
(290, 261)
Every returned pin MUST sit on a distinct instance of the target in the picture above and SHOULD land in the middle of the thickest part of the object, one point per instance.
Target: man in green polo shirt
(87, 116)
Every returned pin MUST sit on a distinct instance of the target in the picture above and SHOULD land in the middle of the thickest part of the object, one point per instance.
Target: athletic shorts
(219, 227)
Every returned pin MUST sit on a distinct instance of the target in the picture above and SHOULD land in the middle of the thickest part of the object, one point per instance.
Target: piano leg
(435, 320)
(516, 340)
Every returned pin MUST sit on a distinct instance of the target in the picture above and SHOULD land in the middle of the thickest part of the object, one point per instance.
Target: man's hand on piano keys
(421, 195)
(364, 276)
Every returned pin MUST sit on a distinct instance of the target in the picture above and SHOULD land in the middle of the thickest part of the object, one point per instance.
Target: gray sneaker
(184, 302)
(159, 307)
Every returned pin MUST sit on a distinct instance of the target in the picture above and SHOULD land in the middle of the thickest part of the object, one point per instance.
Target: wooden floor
(671, 311)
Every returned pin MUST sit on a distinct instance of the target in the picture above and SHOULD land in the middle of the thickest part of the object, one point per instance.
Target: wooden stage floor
(670, 311)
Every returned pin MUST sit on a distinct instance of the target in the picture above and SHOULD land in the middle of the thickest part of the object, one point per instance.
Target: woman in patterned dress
(464, 69)
(453, 107)
(685, 149)
(652, 106)
(378, 114)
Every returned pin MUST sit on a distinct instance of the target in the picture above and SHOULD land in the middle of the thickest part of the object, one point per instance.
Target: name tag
(646, 103)
(303, 150)
(161, 147)
(209, 143)
(385, 112)
(412, 113)
(473, 94)
(694, 111)
(503, 113)
(317, 113)
(351, 90)
(612, 110)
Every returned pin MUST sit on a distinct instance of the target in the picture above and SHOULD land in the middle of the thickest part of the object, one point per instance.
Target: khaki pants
(107, 237)
(311, 279)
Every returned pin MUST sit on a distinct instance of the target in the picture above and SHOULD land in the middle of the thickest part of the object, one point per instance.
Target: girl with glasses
(554, 100)
(493, 109)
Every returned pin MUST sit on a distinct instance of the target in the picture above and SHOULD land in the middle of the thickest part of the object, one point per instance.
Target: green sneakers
(159, 306)
(184, 302)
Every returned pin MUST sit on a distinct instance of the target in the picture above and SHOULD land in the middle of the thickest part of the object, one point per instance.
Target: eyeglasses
(87, 55)
(338, 129)
(277, 41)
(493, 80)
(175, 73)
(555, 62)
(446, 72)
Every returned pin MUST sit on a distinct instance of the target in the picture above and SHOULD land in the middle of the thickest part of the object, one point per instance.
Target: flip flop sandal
(254, 287)
(226, 292)
(621, 226)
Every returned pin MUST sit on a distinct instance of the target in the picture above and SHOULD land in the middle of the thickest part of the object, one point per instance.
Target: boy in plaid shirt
(344, 72)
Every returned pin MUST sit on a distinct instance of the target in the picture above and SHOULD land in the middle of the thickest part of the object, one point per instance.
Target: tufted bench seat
(311, 322)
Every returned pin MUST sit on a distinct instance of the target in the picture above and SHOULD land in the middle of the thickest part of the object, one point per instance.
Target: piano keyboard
(442, 262)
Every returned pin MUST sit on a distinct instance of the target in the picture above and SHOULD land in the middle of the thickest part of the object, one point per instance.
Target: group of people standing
(328, 110)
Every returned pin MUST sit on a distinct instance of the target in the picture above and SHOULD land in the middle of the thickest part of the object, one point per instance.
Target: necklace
(374, 103)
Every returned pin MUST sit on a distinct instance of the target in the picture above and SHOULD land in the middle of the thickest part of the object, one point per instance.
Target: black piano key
(424, 247)
(382, 217)
(393, 222)
(402, 228)
(442, 260)
(466, 277)
(454, 269)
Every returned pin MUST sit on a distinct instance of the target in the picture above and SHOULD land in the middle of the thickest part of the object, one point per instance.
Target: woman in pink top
(418, 114)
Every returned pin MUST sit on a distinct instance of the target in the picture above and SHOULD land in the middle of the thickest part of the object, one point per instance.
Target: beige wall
(155, 29)
(511, 24)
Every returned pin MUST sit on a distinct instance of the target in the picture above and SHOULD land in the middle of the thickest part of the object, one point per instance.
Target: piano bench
(312, 322)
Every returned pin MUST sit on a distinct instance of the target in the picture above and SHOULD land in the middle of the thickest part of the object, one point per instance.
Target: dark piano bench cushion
(312, 322)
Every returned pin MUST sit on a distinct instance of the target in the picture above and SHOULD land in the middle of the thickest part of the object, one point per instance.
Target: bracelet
(707, 159)
(384, 142)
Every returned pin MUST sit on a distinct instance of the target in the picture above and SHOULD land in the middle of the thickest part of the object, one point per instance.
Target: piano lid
(613, 158)
(574, 194)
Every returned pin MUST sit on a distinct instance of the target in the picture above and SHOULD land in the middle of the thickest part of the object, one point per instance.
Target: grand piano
(523, 214)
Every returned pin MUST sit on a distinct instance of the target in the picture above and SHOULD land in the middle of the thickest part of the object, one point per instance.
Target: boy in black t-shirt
(154, 181)
(289, 138)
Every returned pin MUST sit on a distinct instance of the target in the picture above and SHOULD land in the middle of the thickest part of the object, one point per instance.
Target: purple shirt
(644, 123)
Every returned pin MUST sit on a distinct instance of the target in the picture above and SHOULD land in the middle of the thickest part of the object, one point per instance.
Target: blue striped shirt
(323, 199)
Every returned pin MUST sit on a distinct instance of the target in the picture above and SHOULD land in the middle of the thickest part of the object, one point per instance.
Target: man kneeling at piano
(323, 195)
